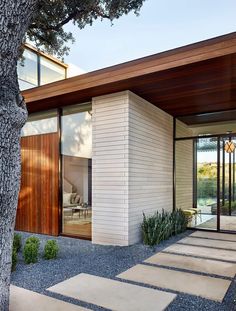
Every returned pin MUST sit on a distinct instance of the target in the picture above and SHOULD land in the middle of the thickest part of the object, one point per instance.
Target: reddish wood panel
(38, 207)
(194, 79)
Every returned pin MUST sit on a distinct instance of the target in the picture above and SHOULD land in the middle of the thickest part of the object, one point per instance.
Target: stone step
(204, 252)
(214, 235)
(199, 285)
(209, 243)
(113, 294)
(25, 300)
(194, 264)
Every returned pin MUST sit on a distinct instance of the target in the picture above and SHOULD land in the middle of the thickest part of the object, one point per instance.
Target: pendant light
(229, 145)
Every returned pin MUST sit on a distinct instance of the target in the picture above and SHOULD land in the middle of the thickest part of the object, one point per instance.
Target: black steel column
(174, 164)
(60, 192)
(230, 186)
(218, 184)
(195, 173)
(233, 175)
(223, 174)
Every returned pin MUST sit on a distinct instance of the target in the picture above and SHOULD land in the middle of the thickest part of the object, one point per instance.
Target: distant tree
(41, 21)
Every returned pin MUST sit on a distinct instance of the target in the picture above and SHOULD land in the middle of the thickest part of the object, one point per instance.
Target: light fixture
(229, 145)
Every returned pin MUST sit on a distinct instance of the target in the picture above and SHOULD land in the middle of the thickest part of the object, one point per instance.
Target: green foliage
(47, 31)
(14, 259)
(31, 250)
(34, 240)
(17, 243)
(162, 225)
(51, 250)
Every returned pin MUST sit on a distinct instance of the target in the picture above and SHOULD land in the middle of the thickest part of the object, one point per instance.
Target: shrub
(51, 250)
(14, 259)
(17, 242)
(34, 240)
(162, 225)
(31, 249)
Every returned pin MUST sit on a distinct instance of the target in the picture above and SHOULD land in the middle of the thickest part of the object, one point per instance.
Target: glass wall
(205, 173)
(41, 123)
(76, 148)
(35, 70)
(50, 71)
(28, 70)
(196, 181)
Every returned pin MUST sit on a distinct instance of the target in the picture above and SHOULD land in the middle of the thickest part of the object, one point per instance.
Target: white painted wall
(132, 166)
(150, 162)
(184, 167)
(110, 169)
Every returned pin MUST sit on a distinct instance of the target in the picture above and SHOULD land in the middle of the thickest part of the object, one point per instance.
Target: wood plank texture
(38, 208)
(193, 79)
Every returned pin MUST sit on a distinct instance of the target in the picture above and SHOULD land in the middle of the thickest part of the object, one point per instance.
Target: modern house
(155, 133)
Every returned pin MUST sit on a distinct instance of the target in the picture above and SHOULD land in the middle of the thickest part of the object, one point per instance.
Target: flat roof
(194, 79)
(52, 58)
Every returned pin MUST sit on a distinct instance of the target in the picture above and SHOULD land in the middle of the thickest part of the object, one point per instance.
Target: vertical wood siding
(38, 208)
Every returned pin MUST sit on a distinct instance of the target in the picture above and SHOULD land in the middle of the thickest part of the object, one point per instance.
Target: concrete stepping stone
(112, 294)
(209, 243)
(194, 264)
(199, 285)
(214, 235)
(25, 300)
(211, 253)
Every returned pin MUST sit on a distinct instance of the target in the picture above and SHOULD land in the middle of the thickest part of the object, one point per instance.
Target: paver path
(25, 300)
(209, 243)
(200, 285)
(202, 264)
(113, 294)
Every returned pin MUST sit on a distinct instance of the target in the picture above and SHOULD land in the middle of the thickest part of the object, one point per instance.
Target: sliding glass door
(205, 180)
(227, 210)
(205, 177)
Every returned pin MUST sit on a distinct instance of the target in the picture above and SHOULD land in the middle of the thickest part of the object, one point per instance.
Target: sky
(161, 25)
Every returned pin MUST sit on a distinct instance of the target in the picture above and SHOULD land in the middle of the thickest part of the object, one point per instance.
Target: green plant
(14, 259)
(34, 240)
(51, 250)
(31, 249)
(162, 225)
(17, 242)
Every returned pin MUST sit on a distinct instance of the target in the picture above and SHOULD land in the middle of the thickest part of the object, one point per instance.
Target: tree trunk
(15, 16)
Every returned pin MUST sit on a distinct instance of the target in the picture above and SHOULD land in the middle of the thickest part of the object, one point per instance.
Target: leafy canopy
(46, 30)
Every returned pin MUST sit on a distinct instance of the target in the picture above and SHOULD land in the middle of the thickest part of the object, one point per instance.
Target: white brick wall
(132, 166)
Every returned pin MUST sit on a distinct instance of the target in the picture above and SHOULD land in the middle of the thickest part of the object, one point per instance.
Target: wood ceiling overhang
(195, 79)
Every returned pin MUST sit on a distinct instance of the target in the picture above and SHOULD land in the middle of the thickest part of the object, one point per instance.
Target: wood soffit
(194, 79)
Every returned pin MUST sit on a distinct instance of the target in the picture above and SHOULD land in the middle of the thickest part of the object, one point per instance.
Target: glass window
(76, 149)
(50, 71)
(40, 123)
(28, 70)
(77, 131)
(25, 85)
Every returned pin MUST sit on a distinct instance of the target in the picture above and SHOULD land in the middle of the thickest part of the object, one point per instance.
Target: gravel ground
(78, 256)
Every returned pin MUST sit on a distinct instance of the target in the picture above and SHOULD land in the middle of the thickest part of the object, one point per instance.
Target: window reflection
(50, 71)
(28, 69)
(36, 69)
(76, 146)
(40, 123)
